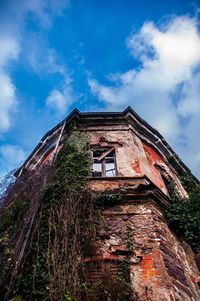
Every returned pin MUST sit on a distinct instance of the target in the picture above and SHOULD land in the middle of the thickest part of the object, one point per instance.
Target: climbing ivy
(183, 214)
(17, 208)
(63, 232)
(108, 286)
(108, 198)
(63, 226)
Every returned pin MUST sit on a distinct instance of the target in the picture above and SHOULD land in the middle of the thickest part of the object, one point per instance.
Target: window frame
(101, 160)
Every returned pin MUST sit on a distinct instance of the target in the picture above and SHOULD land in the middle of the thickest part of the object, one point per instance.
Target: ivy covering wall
(49, 223)
(183, 215)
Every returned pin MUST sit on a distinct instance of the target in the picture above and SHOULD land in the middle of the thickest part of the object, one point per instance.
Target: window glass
(110, 166)
(97, 167)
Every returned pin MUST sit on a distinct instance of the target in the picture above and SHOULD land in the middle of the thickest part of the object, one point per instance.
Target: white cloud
(10, 157)
(164, 89)
(44, 9)
(13, 37)
(175, 46)
(59, 100)
(189, 104)
(38, 51)
(61, 95)
(7, 101)
(9, 50)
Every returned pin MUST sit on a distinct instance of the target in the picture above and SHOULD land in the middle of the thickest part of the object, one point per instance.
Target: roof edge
(77, 113)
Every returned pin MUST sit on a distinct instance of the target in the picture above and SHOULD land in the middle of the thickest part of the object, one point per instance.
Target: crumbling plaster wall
(125, 148)
(133, 157)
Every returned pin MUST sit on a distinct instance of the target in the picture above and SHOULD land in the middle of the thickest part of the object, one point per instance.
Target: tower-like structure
(131, 157)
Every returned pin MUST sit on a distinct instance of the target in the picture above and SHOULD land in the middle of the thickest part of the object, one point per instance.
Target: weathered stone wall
(135, 229)
(159, 269)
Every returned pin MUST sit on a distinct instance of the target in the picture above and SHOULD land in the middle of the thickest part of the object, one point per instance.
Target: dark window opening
(104, 164)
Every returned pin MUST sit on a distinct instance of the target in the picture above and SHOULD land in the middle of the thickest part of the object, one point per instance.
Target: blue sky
(56, 55)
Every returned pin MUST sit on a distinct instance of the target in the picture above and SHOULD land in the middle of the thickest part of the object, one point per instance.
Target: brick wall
(159, 269)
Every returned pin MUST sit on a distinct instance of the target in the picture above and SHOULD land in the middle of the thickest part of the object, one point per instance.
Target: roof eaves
(79, 115)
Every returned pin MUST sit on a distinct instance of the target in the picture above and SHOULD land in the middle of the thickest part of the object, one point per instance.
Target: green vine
(63, 233)
(109, 286)
(109, 198)
(184, 214)
(63, 223)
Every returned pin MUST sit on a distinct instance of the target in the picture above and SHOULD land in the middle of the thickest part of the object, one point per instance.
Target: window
(104, 164)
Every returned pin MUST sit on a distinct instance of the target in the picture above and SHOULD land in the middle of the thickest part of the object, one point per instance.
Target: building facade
(132, 157)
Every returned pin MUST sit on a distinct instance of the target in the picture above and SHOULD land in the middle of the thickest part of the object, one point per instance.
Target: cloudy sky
(56, 55)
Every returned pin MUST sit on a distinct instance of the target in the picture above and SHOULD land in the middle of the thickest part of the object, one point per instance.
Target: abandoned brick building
(130, 155)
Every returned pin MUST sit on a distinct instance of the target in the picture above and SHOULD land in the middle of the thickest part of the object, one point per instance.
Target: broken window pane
(104, 162)
(110, 173)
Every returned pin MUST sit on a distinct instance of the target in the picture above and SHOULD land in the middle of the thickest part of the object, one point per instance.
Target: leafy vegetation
(109, 287)
(17, 210)
(184, 214)
(45, 225)
(108, 198)
(63, 222)
(49, 223)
